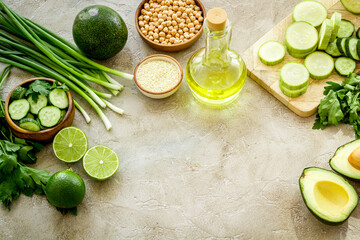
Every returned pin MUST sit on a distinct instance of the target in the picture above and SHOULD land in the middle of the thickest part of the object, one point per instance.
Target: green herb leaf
(11, 147)
(8, 162)
(38, 87)
(63, 86)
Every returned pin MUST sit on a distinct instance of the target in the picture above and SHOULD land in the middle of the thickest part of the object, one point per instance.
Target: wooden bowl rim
(24, 131)
(161, 56)
(191, 41)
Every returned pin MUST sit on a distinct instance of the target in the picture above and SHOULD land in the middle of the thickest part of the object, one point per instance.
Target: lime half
(70, 144)
(100, 162)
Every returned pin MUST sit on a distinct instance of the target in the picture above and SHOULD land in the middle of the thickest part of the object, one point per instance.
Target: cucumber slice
(29, 124)
(310, 11)
(29, 115)
(333, 50)
(49, 116)
(320, 65)
(36, 106)
(18, 93)
(271, 52)
(341, 45)
(352, 6)
(358, 33)
(63, 113)
(344, 66)
(336, 20)
(294, 76)
(59, 98)
(325, 34)
(18, 109)
(346, 29)
(351, 48)
(293, 93)
(301, 37)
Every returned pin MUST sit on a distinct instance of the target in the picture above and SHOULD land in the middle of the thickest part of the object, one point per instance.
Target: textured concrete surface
(186, 171)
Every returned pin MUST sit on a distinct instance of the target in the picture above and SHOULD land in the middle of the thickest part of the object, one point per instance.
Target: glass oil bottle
(216, 74)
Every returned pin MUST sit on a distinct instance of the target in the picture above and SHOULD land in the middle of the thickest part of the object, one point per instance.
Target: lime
(100, 162)
(65, 189)
(70, 144)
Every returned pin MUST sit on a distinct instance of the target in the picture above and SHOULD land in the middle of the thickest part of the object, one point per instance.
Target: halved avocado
(340, 161)
(327, 195)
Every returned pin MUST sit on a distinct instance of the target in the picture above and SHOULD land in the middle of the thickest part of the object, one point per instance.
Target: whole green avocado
(99, 32)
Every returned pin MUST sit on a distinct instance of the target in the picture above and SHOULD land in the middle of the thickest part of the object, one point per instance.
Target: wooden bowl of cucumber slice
(38, 108)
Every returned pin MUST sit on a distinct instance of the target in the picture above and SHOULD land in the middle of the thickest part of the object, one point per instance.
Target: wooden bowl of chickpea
(170, 25)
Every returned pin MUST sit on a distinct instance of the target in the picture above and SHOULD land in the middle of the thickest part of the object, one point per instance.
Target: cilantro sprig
(41, 87)
(15, 176)
(340, 104)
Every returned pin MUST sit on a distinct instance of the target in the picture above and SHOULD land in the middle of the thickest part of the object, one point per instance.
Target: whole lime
(65, 189)
(99, 32)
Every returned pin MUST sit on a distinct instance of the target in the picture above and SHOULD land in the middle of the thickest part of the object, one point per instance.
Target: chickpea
(187, 10)
(188, 2)
(192, 18)
(181, 25)
(175, 8)
(146, 27)
(171, 28)
(141, 18)
(150, 33)
(198, 15)
(181, 32)
(168, 23)
(176, 41)
(161, 27)
(143, 11)
(178, 20)
(141, 24)
(196, 22)
(173, 32)
(165, 30)
(177, 35)
(151, 38)
(176, 3)
(192, 35)
(190, 25)
(182, 37)
(181, 9)
(146, 18)
(197, 27)
(201, 19)
(161, 39)
(162, 34)
(168, 36)
(172, 40)
(149, 13)
(186, 29)
(176, 27)
(178, 13)
(168, 19)
(192, 30)
(144, 32)
(197, 8)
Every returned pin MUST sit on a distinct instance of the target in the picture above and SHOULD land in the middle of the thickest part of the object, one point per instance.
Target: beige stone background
(186, 171)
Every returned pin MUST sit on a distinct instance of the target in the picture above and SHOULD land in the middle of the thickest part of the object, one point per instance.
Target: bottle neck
(217, 46)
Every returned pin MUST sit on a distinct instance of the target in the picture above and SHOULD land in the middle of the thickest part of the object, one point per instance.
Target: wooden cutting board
(268, 76)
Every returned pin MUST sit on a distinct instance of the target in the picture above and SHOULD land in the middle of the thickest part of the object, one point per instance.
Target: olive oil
(216, 74)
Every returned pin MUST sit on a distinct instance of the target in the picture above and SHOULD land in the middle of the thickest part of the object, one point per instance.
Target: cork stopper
(216, 19)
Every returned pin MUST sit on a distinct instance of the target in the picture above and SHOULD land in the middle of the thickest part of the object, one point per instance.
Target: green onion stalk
(33, 48)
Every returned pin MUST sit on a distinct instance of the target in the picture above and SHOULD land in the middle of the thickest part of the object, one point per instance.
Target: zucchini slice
(352, 6)
(319, 64)
(325, 34)
(301, 37)
(351, 48)
(310, 11)
(294, 76)
(271, 52)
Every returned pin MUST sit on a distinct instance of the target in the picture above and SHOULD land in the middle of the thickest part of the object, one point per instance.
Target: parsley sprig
(340, 104)
(15, 176)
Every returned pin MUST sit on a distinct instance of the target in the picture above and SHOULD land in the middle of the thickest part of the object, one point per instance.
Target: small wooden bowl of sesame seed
(158, 76)
(170, 25)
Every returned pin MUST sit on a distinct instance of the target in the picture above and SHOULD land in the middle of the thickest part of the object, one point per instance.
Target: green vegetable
(46, 54)
(15, 176)
(99, 32)
(340, 104)
(328, 196)
(342, 163)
